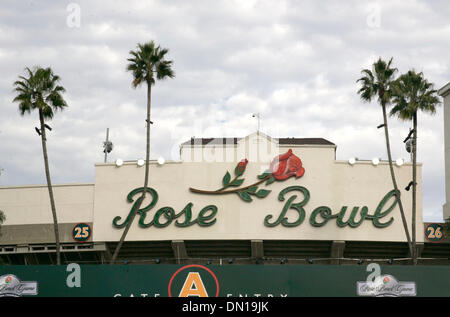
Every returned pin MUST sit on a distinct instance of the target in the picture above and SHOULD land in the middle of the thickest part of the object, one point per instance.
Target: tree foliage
(148, 63)
(39, 91)
(377, 82)
(413, 93)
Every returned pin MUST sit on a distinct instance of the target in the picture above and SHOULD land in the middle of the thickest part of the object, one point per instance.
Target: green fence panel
(229, 280)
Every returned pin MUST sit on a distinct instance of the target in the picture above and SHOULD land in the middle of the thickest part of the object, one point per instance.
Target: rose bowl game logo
(386, 286)
(11, 286)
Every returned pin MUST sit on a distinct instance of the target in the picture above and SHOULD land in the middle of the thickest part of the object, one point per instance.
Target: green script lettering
(165, 215)
(289, 205)
(380, 214)
(351, 219)
(326, 213)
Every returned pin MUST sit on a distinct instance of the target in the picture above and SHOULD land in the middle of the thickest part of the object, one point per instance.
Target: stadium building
(227, 201)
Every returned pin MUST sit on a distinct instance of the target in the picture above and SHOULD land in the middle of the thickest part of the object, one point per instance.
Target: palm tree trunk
(50, 190)
(397, 192)
(147, 152)
(140, 199)
(414, 152)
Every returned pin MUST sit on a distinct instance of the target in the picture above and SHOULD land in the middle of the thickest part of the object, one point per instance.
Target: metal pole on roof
(256, 115)
(106, 152)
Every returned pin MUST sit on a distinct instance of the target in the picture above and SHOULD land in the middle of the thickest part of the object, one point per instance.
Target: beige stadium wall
(31, 204)
(330, 183)
(29, 216)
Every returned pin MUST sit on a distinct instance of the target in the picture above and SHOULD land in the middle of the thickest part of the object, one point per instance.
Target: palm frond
(147, 61)
(413, 93)
(377, 82)
(39, 91)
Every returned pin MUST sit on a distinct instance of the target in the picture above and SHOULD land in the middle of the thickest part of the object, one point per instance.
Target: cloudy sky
(294, 62)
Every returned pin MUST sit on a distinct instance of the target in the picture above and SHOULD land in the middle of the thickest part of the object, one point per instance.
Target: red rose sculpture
(240, 168)
(282, 167)
(286, 165)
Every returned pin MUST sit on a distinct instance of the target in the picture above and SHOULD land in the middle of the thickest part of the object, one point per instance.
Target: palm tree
(412, 92)
(40, 91)
(147, 65)
(378, 82)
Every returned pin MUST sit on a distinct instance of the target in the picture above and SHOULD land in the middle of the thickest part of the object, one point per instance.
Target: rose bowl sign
(292, 214)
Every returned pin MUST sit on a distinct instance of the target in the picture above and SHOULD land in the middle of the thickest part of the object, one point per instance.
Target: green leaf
(264, 175)
(252, 189)
(226, 179)
(237, 182)
(262, 193)
(244, 196)
(270, 180)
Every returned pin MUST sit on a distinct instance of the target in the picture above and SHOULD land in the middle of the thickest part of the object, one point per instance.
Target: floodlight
(399, 162)
(107, 147)
(140, 162)
(408, 145)
(161, 160)
(119, 162)
(375, 161)
(352, 161)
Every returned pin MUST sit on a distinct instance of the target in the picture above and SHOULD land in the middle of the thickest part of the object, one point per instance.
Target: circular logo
(81, 232)
(8, 279)
(193, 280)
